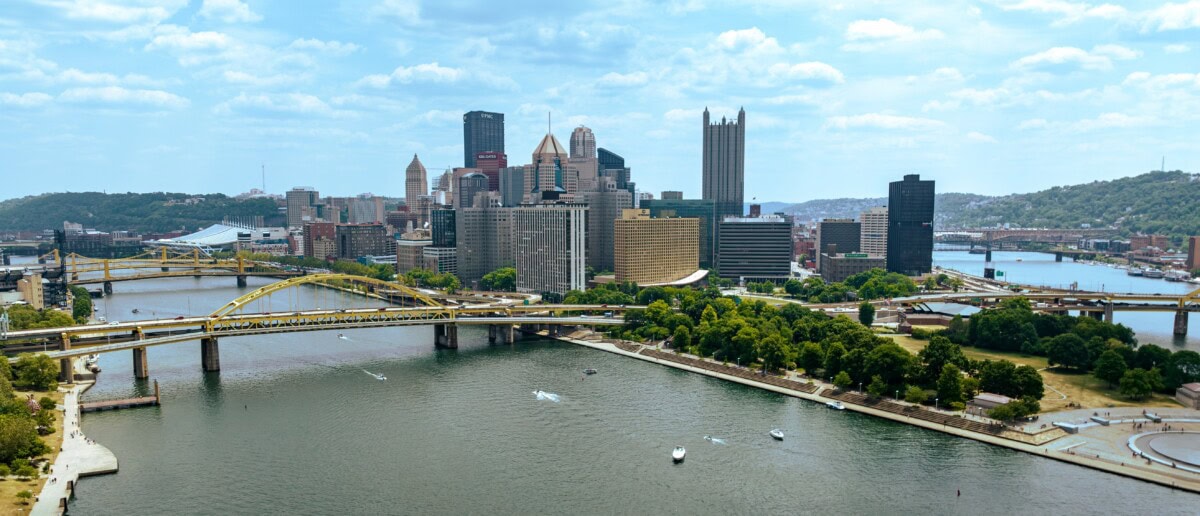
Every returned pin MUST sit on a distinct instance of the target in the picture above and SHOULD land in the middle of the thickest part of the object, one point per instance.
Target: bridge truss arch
(377, 284)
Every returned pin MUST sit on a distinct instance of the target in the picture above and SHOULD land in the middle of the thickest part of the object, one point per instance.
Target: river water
(1041, 269)
(293, 425)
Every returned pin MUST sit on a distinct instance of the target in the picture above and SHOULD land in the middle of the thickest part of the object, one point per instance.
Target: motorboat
(835, 405)
(136, 311)
(1177, 275)
(378, 376)
(91, 359)
(589, 371)
(1153, 273)
(678, 454)
(1135, 271)
(342, 336)
(543, 395)
(777, 434)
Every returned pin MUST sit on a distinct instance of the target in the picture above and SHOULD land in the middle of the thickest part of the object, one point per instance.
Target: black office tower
(482, 132)
(910, 226)
(724, 163)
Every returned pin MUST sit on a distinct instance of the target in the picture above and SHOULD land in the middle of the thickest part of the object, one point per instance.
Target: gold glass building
(653, 251)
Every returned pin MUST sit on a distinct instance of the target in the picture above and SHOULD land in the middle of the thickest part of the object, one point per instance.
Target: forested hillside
(146, 212)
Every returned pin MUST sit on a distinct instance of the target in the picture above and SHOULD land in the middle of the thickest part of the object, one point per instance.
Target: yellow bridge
(501, 318)
(158, 263)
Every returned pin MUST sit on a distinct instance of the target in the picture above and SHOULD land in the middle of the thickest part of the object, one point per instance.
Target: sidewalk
(77, 459)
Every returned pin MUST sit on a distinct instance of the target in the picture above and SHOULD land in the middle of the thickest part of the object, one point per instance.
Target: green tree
(811, 357)
(949, 384)
(1068, 350)
(4, 471)
(1183, 367)
(1028, 382)
(866, 313)
(835, 359)
(877, 387)
(46, 403)
(81, 307)
(36, 372)
(774, 352)
(915, 395)
(1110, 367)
(957, 331)
(24, 496)
(26, 472)
(999, 377)
(842, 380)
(1002, 412)
(503, 279)
(890, 362)
(936, 355)
(793, 287)
(1137, 384)
(682, 338)
(18, 438)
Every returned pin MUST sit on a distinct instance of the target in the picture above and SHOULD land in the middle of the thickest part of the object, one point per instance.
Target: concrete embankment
(1039, 443)
(79, 458)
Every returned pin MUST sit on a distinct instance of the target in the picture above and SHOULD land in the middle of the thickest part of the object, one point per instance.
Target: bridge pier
(1099, 316)
(445, 336)
(1058, 256)
(166, 269)
(241, 281)
(66, 370)
(107, 288)
(1181, 322)
(210, 354)
(141, 366)
(502, 333)
(1108, 313)
(7, 260)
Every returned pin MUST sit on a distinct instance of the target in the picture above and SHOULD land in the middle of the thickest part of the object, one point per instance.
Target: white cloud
(406, 11)
(239, 77)
(614, 79)
(1068, 12)
(947, 74)
(874, 33)
(436, 74)
(180, 38)
(119, 95)
(1033, 123)
(1117, 52)
(277, 104)
(336, 48)
(1112, 121)
(883, 121)
(114, 12)
(25, 100)
(228, 11)
(1172, 16)
(1177, 49)
(1061, 57)
(1162, 81)
(814, 71)
(980, 137)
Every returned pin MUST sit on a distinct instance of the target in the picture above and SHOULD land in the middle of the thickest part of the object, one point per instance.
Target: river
(1041, 269)
(293, 425)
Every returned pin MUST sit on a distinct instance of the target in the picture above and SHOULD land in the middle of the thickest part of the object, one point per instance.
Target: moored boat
(835, 405)
(589, 371)
(1177, 275)
(1153, 273)
(1134, 271)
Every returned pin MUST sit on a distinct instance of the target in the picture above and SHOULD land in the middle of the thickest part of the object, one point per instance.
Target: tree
(949, 384)
(877, 388)
(26, 472)
(4, 471)
(24, 496)
(1137, 384)
(999, 377)
(1110, 367)
(81, 307)
(811, 357)
(1002, 412)
(889, 361)
(793, 287)
(866, 313)
(36, 372)
(1184, 367)
(774, 352)
(682, 338)
(842, 380)
(957, 330)
(503, 279)
(915, 395)
(18, 438)
(1149, 356)
(1068, 350)
(936, 355)
(1028, 382)
(835, 358)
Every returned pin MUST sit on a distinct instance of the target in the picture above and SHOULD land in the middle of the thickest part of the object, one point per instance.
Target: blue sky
(989, 97)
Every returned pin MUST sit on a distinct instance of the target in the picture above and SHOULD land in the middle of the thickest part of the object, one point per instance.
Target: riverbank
(1047, 442)
(78, 457)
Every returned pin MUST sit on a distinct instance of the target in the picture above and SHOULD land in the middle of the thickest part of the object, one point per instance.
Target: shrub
(921, 334)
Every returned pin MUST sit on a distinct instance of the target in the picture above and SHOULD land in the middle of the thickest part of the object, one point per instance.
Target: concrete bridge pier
(66, 370)
(1108, 313)
(1181, 322)
(1058, 256)
(107, 288)
(141, 366)
(241, 281)
(210, 354)
(445, 336)
(502, 333)
(7, 260)
(166, 269)
(1099, 316)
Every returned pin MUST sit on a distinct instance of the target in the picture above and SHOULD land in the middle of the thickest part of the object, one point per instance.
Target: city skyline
(989, 97)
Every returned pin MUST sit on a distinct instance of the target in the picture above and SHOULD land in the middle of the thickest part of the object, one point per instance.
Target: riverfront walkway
(1050, 442)
(78, 458)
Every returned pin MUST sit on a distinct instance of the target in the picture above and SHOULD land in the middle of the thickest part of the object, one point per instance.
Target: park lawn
(9, 487)
(1082, 389)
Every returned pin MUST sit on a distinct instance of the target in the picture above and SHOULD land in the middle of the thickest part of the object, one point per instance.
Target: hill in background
(148, 212)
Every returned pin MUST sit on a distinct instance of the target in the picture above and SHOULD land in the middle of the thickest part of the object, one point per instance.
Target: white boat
(1153, 273)
(378, 376)
(1135, 271)
(678, 454)
(1177, 275)
(543, 395)
(835, 405)
(342, 336)
(589, 371)
(91, 359)
(777, 434)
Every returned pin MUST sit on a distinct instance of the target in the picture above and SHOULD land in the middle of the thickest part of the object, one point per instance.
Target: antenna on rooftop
(1164, 164)
(264, 178)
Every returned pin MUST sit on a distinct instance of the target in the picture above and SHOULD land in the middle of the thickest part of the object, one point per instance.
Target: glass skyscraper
(910, 226)
(483, 131)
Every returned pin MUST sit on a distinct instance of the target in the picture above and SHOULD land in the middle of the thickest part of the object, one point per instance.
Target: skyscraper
(482, 132)
(301, 206)
(910, 226)
(583, 143)
(874, 231)
(753, 249)
(547, 174)
(415, 184)
(490, 163)
(844, 234)
(468, 186)
(550, 247)
(604, 207)
(724, 163)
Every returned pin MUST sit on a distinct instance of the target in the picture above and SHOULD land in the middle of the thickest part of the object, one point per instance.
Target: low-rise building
(837, 267)
(410, 250)
(1188, 395)
(655, 250)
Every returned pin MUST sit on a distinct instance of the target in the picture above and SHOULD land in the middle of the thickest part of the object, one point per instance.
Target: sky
(989, 97)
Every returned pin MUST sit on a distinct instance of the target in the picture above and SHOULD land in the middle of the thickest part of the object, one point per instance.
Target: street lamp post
(859, 386)
(935, 403)
(897, 394)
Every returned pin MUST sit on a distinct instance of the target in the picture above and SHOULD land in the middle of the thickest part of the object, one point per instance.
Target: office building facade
(469, 186)
(484, 242)
(302, 206)
(838, 267)
(755, 249)
(910, 226)
(443, 227)
(489, 164)
(604, 208)
(724, 162)
(705, 210)
(357, 240)
(650, 251)
(874, 223)
(550, 247)
(320, 240)
(483, 131)
(583, 143)
(844, 235)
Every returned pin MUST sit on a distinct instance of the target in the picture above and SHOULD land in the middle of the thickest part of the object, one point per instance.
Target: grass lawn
(9, 487)
(1082, 389)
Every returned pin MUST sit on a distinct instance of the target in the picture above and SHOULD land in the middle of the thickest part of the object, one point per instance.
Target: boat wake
(714, 440)
(343, 337)
(543, 395)
(378, 376)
